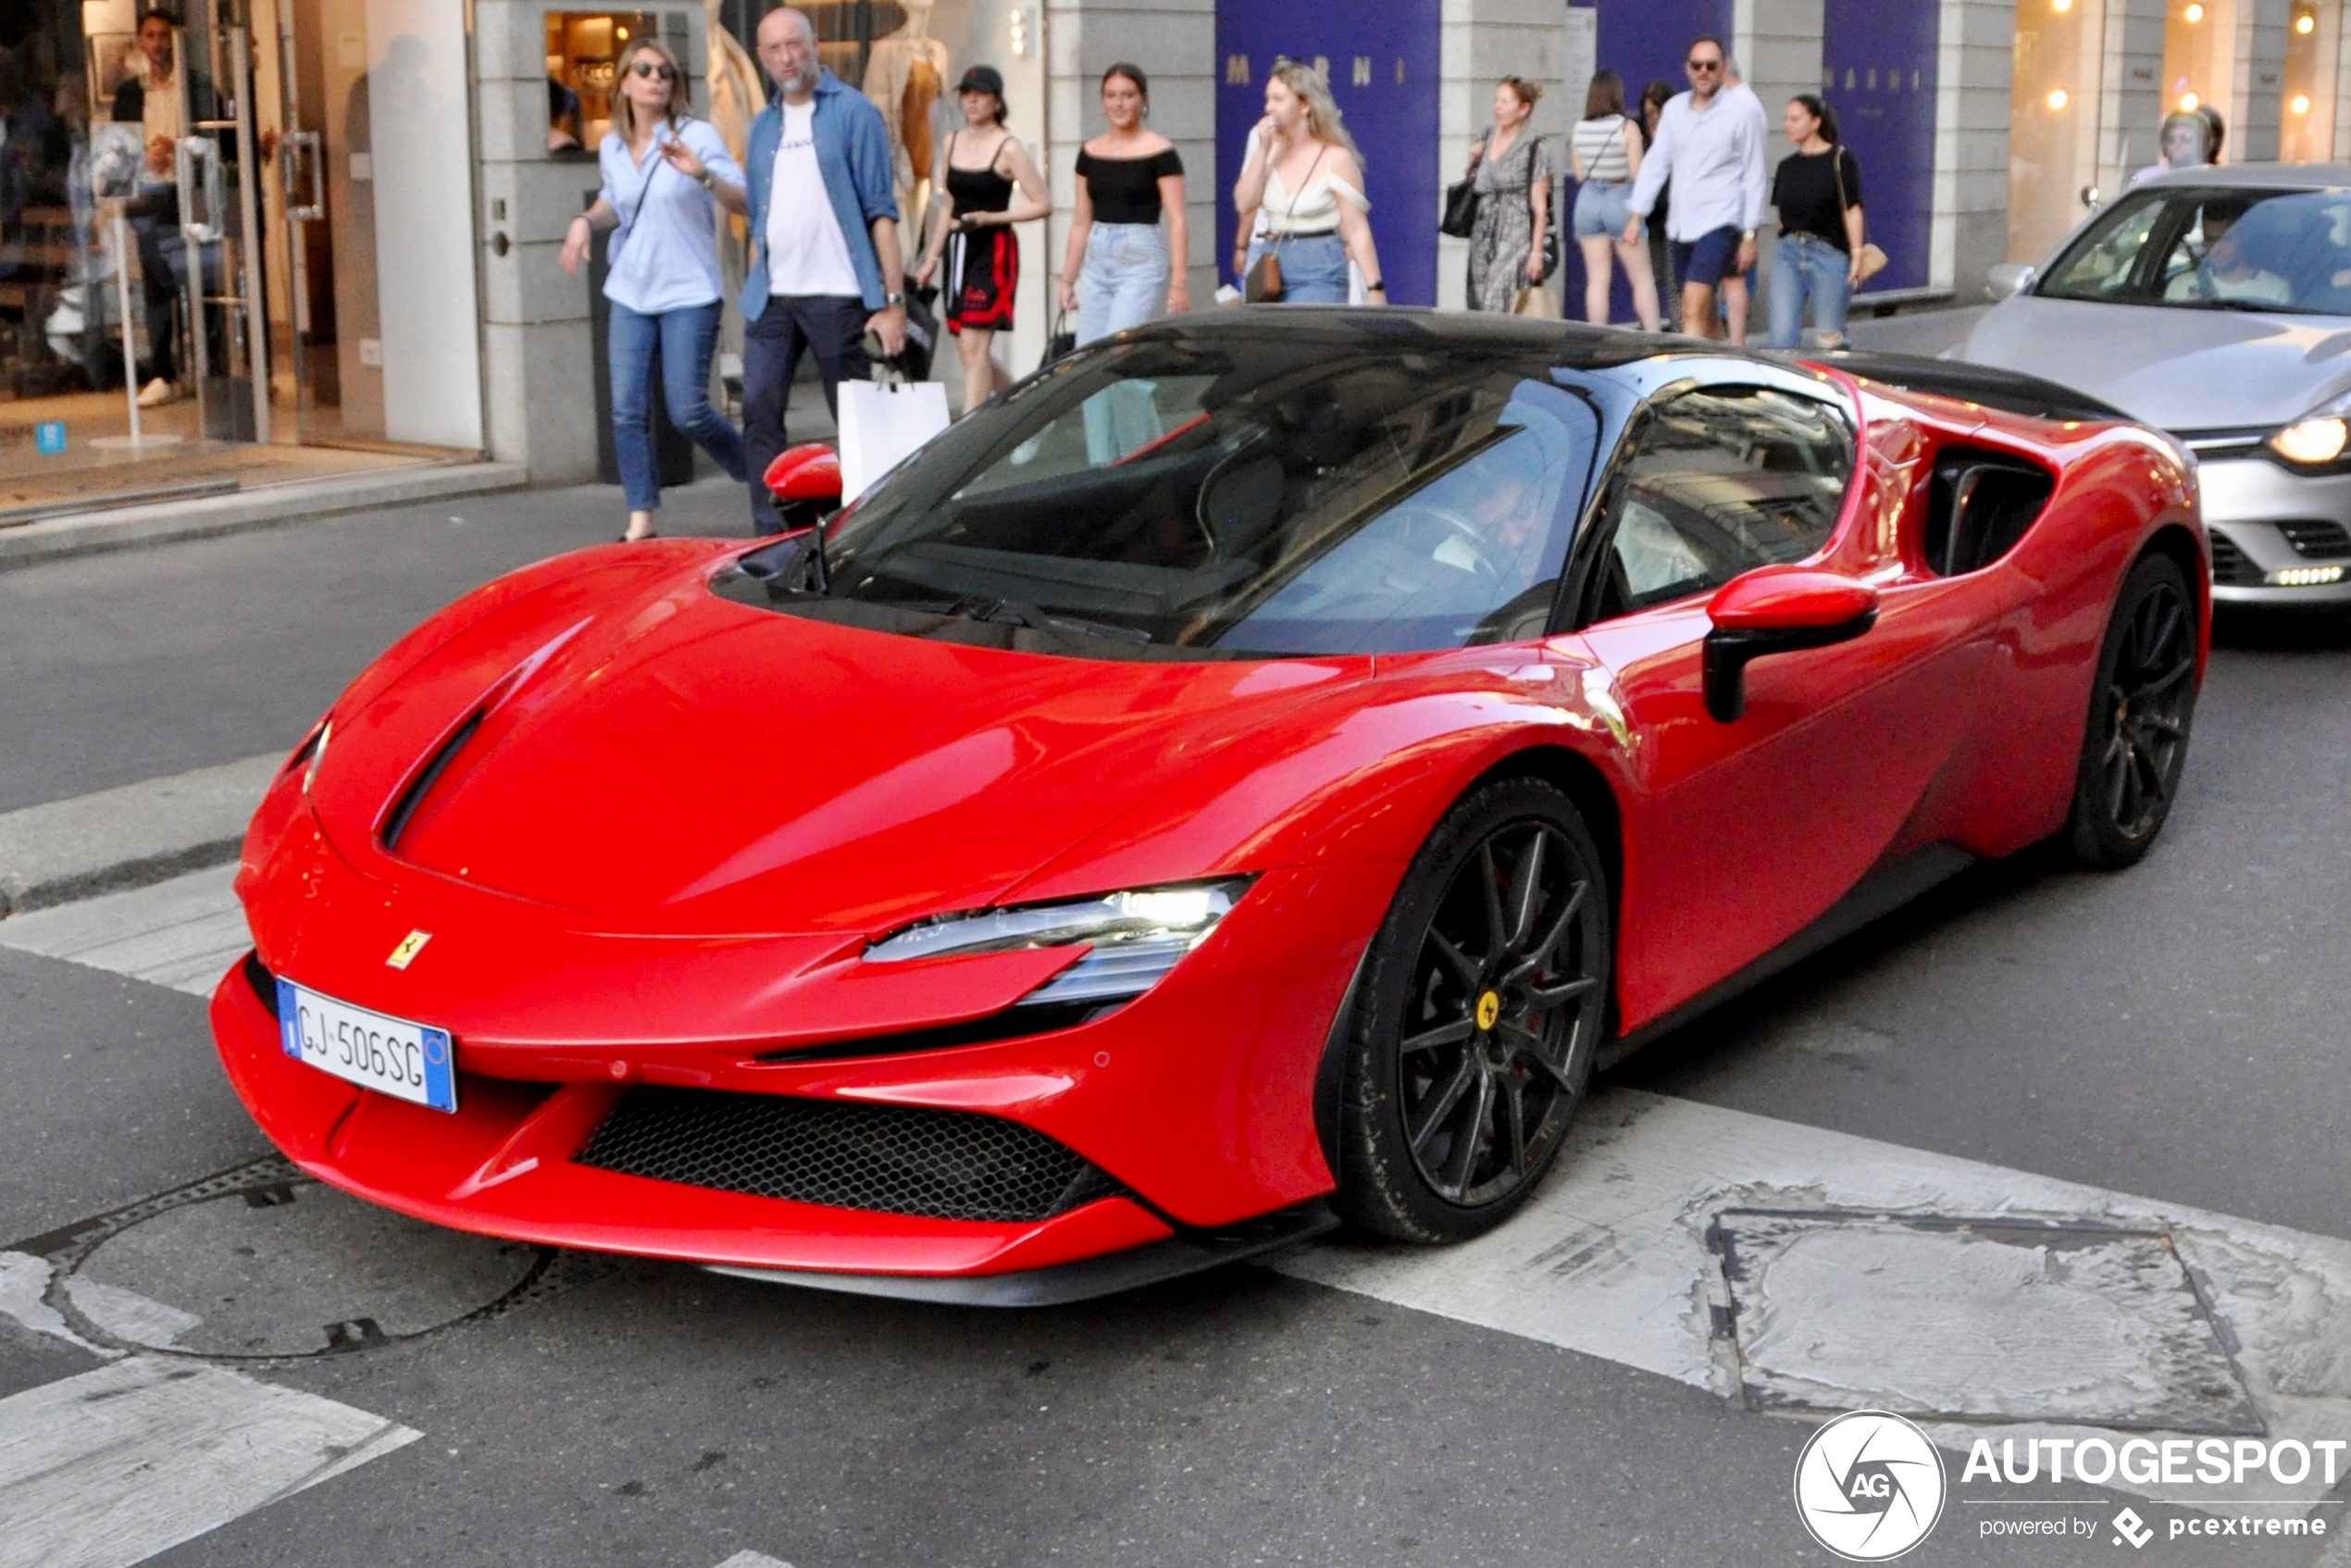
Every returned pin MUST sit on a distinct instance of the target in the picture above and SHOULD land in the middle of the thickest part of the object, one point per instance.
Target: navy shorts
(1707, 260)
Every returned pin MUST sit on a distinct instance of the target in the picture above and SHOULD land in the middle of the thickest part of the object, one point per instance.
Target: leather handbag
(1060, 342)
(1461, 202)
(1263, 285)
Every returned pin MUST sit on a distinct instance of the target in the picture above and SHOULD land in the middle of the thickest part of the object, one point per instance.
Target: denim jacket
(853, 151)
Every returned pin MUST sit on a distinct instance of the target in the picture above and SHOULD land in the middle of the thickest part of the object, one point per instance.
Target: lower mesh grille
(2317, 539)
(2230, 569)
(890, 1159)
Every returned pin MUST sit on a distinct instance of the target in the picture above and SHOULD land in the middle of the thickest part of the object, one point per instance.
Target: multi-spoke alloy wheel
(2140, 711)
(1479, 1018)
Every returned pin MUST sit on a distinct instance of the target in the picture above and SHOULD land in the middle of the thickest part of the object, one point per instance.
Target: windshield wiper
(1016, 612)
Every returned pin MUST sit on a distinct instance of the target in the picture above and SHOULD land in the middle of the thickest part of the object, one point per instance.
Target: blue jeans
(1806, 265)
(1124, 281)
(1314, 268)
(832, 327)
(684, 337)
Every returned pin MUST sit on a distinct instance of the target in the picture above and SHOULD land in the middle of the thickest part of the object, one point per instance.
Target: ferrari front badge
(410, 945)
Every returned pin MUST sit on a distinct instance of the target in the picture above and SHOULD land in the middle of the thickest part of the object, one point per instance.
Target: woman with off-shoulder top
(1118, 272)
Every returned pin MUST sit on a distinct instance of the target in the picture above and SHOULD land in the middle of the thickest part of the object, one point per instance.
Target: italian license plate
(406, 1061)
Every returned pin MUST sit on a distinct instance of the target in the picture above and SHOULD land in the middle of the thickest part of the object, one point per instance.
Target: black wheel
(2140, 712)
(1480, 1015)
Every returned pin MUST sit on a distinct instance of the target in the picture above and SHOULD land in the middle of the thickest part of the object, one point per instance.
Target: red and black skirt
(983, 270)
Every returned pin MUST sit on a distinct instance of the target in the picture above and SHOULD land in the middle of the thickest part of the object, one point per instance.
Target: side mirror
(2004, 278)
(1777, 611)
(805, 481)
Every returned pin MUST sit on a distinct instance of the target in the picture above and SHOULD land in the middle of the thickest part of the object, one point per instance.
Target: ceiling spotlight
(2059, 97)
(2194, 13)
(2188, 101)
(2305, 24)
(2300, 104)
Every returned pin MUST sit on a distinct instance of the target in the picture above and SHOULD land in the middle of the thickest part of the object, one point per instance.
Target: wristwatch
(708, 179)
(890, 300)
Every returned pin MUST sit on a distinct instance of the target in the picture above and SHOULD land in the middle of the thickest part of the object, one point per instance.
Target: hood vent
(404, 809)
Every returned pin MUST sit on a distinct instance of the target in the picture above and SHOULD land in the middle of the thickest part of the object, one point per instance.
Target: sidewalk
(127, 837)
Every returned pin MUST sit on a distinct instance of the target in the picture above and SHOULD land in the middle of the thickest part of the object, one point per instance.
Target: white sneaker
(155, 394)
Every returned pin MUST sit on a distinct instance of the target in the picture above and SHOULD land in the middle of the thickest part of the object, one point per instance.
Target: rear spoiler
(2012, 392)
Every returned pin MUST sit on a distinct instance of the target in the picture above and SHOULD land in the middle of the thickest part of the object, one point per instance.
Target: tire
(2141, 710)
(1481, 1012)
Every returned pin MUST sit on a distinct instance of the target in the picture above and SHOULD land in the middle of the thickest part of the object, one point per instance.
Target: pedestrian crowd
(1670, 191)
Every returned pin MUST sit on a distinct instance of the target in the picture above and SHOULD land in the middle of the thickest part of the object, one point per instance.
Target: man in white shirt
(825, 268)
(1710, 142)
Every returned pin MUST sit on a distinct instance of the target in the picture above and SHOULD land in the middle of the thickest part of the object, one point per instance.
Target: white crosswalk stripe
(181, 933)
(108, 1468)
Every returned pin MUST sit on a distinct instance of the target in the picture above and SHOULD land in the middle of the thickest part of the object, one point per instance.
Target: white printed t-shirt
(808, 254)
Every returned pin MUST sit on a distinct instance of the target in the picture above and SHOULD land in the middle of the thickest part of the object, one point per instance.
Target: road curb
(86, 533)
(127, 837)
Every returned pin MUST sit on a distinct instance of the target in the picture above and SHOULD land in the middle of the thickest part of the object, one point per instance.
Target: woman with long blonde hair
(662, 171)
(1307, 178)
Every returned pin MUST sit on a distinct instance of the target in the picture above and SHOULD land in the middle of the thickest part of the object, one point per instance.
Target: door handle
(306, 154)
(204, 195)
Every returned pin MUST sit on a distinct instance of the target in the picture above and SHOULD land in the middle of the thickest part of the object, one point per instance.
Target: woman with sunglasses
(663, 171)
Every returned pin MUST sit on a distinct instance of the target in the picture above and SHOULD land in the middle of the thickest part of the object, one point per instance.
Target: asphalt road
(2171, 1032)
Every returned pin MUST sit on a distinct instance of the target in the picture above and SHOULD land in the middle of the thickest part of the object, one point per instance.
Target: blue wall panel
(1382, 57)
(1878, 71)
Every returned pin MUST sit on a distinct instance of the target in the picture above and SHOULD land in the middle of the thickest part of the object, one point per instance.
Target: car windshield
(2215, 249)
(1223, 494)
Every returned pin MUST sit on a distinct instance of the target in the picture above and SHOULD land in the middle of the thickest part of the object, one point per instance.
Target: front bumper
(2246, 499)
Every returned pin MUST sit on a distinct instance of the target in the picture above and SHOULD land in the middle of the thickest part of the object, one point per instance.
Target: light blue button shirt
(1715, 160)
(664, 254)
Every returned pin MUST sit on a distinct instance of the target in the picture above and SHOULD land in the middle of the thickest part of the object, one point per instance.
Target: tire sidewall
(2091, 833)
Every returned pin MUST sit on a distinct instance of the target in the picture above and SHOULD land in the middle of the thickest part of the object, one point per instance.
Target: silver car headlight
(1135, 937)
(2318, 438)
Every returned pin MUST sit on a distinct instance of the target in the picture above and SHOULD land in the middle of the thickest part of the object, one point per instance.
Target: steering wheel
(1486, 563)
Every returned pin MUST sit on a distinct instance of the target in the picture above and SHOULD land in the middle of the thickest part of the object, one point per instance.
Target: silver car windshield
(2214, 249)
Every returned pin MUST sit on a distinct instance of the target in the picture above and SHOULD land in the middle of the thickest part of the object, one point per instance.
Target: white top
(664, 254)
(808, 254)
(1313, 210)
(1600, 148)
(1715, 159)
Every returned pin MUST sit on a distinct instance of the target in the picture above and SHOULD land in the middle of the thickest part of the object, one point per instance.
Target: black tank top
(978, 190)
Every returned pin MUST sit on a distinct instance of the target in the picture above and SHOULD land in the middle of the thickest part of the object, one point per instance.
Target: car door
(1746, 832)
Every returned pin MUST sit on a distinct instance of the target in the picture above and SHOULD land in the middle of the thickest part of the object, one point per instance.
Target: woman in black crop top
(986, 168)
(1116, 272)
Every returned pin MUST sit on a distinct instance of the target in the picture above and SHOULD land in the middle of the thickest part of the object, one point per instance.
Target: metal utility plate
(1993, 1320)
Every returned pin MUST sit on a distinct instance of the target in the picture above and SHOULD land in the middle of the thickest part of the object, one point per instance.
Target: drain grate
(1977, 1320)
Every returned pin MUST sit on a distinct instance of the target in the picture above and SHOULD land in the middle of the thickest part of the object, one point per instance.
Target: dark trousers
(832, 327)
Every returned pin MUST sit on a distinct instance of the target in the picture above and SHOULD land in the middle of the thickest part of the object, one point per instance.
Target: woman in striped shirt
(1604, 154)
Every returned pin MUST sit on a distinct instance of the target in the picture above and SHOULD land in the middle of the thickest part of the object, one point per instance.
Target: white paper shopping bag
(879, 425)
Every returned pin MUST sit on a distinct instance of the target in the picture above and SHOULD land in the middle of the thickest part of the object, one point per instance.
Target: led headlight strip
(1135, 937)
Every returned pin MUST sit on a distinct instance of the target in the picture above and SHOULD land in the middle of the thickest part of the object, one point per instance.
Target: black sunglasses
(653, 67)
(1703, 65)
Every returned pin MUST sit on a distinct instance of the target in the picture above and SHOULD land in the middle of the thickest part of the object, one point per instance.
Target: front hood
(2174, 368)
(676, 762)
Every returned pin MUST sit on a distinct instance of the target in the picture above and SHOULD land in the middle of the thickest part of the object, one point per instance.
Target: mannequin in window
(904, 75)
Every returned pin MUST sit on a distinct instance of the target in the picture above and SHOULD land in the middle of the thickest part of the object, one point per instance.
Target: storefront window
(2305, 115)
(2053, 113)
(583, 50)
(2198, 55)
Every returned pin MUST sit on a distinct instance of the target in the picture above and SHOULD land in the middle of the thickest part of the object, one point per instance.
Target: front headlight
(2313, 441)
(1135, 937)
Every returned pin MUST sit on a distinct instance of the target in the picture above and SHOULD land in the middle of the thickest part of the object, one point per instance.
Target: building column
(1974, 73)
(1480, 41)
(2130, 107)
(2259, 81)
(1175, 42)
(1778, 46)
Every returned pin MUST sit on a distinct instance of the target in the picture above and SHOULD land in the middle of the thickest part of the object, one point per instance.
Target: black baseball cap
(982, 79)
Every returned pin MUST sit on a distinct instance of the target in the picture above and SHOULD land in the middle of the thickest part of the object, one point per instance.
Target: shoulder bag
(1461, 202)
(1872, 260)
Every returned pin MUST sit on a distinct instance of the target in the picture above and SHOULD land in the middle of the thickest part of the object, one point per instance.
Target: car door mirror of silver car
(2004, 278)
(1776, 610)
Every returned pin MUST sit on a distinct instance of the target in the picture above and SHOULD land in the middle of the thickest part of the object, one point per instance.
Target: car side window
(1717, 481)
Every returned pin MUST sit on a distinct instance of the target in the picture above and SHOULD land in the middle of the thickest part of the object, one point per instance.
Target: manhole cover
(1992, 1320)
(274, 1268)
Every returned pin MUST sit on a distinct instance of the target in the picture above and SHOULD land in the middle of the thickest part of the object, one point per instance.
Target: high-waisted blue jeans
(685, 338)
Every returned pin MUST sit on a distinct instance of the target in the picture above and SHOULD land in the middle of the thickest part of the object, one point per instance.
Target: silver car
(2215, 303)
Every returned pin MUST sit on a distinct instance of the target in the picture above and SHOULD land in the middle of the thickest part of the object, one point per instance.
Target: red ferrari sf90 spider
(1246, 777)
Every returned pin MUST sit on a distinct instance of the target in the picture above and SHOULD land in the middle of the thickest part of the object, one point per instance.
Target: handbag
(1868, 261)
(1263, 285)
(1060, 342)
(1461, 202)
(1534, 300)
(881, 423)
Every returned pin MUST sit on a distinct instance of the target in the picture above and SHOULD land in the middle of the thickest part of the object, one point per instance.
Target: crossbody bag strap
(1275, 236)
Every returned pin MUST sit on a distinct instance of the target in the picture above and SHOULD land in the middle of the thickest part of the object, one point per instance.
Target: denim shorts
(1602, 208)
(1708, 259)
